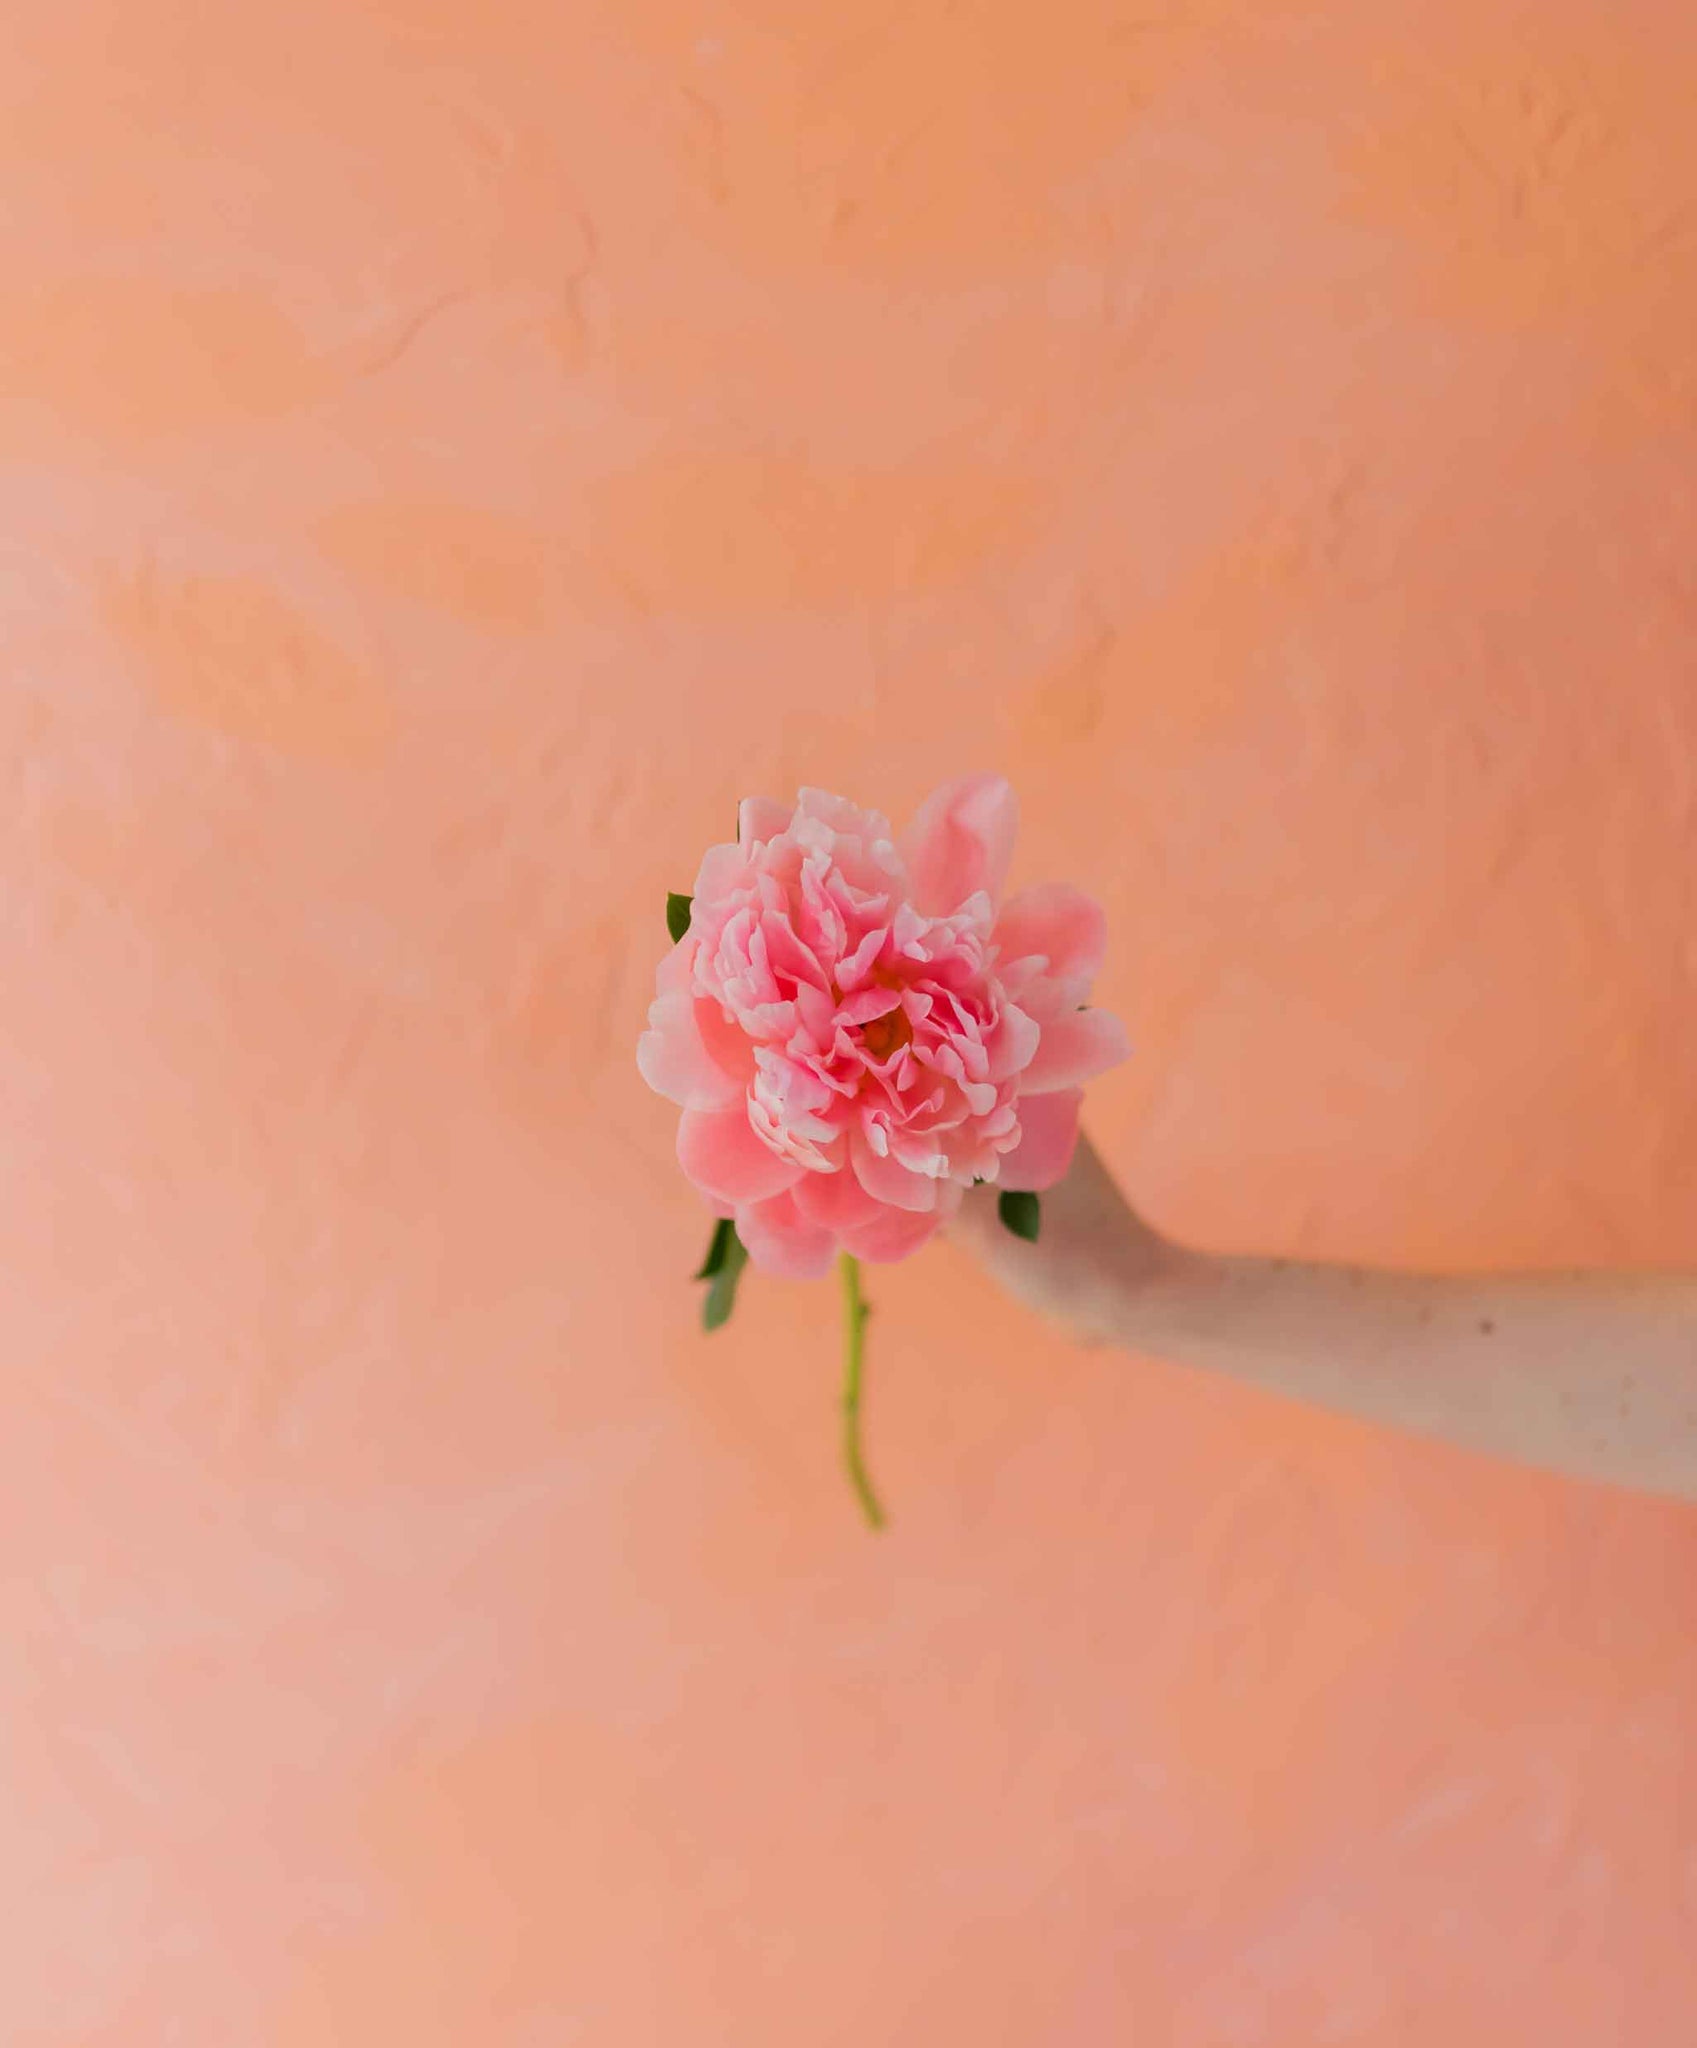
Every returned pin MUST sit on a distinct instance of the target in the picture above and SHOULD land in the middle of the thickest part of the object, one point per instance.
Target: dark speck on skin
(1486, 1326)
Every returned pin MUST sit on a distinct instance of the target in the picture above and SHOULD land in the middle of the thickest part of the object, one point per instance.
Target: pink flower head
(856, 1027)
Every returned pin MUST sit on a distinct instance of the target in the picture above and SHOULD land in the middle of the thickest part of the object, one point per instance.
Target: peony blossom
(858, 1026)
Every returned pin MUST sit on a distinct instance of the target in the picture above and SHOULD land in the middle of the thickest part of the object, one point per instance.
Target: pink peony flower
(858, 1027)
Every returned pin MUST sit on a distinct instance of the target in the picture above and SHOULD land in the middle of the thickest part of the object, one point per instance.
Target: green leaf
(1021, 1212)
(722, 1292)
(677, 914)
(717, 1246)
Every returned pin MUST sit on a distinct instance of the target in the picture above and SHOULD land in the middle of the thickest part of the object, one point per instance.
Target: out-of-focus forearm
(1592, 1374)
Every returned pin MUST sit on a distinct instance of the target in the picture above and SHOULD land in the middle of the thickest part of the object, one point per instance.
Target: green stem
(854, 1351)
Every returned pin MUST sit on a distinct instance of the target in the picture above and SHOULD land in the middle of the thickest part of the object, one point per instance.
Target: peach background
(446, 456)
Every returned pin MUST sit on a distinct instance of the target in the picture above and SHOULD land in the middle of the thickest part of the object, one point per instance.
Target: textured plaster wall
(447, 455)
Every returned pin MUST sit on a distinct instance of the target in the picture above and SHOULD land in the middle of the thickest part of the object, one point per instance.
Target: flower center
(883, 1035)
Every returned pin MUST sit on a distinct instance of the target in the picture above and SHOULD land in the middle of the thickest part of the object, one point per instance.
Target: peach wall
(446, 455)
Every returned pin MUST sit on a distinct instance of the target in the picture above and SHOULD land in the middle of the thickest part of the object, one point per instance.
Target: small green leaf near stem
(678, 909)
(718, 1245)
(722, 1289)
(854, 1351)
(1021, 1212)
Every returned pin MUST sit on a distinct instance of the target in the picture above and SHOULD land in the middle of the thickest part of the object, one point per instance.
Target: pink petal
(853, 967)
(723, 870)
(790, 954)
(886, 1180)
(759, 817)
(836, 1200)
(728, 1045)
(1059, 922)
(920, 1152)
(961, 840)
(780, 1239)
(866, 1004)
(673, 1060)
(1075, 1046)
(840, 815)
(677, 968)
(1048, 1126)
(720, 1152)
(894, 1234)
(1013, 1044)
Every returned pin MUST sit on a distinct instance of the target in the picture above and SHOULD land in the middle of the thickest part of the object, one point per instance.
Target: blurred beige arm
(1593, 1374)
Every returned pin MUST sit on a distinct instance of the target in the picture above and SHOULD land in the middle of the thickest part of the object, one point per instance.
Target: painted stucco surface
(447, 455)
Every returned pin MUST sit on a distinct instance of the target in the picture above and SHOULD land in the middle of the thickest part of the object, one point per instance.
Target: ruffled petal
(1075, 1047)
(1068, 928)
(836, 1200)
(886, 1235)
(780, 1239)
(885, 1178)
(674, 1061)
(1048, 1127)
(1013, 1044)
(728, 1045)
(677, 968)
(760, 817)
(839, 815)
(961, 840)
(724, 869)
(720, 1152)
(893, 1234)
